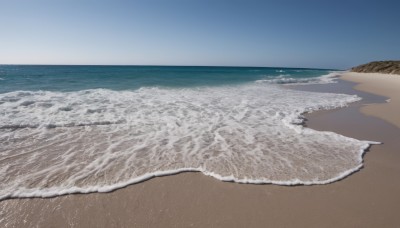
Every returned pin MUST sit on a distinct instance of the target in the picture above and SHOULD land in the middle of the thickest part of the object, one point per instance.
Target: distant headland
(385, 67)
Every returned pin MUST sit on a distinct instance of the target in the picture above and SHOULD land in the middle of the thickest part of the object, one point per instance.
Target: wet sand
(368, 198)
(380, 84)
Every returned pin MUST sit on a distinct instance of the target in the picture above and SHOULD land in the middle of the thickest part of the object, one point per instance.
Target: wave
(287, 79)
(52, 192)
(250, 133)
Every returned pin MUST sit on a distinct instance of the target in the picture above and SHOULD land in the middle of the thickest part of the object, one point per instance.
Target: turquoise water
(81, 129)
(75, 78)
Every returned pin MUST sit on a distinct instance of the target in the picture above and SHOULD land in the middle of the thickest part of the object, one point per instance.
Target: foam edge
(53, 192)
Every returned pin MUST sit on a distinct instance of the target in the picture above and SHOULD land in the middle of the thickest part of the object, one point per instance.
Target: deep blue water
(75, 78)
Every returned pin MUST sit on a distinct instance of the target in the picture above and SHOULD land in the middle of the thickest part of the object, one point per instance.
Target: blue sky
(308, 33)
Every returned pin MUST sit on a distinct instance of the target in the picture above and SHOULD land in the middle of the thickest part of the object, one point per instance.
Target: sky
(334, 34)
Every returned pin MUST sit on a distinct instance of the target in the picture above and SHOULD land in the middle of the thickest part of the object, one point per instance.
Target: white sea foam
(286, 79)
(55, 143)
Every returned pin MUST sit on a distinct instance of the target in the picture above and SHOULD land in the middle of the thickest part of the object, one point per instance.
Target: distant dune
(385, 67)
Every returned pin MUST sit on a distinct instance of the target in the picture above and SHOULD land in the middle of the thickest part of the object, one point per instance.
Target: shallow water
(246, 129)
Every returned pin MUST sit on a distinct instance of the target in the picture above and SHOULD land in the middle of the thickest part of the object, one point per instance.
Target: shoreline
(383, 85)
(366, 198)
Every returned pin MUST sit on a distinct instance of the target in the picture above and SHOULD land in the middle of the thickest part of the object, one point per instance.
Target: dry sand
(387, 85)
(368, 198)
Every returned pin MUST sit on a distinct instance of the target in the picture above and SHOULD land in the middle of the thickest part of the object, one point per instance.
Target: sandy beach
(368, 198)
(380, 84)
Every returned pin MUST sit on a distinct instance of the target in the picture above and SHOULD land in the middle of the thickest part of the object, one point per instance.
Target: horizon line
(161, 65)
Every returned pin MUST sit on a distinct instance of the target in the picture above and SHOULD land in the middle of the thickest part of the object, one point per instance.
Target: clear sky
(298, 33)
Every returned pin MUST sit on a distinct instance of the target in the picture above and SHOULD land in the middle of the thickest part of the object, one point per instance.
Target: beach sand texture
(368, 198)
(387, 85)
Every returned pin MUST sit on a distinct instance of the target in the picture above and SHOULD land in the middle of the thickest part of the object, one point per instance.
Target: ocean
(82, 129)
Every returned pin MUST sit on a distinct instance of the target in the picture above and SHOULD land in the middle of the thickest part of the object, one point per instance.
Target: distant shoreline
(383, 67)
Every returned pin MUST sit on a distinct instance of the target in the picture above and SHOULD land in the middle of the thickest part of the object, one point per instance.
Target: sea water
(81, 129)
